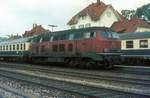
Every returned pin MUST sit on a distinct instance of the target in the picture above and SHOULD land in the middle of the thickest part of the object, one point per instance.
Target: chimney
(98, 1)
(33, 26)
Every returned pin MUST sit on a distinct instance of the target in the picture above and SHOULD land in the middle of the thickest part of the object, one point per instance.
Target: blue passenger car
(136, 47)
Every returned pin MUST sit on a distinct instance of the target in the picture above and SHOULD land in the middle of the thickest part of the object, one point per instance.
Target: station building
(95, 15)
(132, 25)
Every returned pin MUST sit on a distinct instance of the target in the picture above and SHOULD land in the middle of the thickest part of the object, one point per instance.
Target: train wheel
(108, 65)
(90, 64)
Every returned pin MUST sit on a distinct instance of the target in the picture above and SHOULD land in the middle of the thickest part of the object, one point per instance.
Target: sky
(16, 16)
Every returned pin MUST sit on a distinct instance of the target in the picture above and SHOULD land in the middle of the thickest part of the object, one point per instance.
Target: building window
(83, 17)
(73, 27)
(129, 44)
(81, 26)
(10, 47)
(88, 25)
(143, 43)
(108, 14)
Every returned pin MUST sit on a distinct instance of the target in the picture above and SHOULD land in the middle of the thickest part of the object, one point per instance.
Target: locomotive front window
(112, 35)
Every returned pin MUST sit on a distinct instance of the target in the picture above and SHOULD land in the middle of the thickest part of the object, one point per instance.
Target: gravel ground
(6, 94)
(35, 90)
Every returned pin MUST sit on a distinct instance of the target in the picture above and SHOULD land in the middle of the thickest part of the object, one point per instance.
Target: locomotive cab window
(143, 43)
(89, 35)
(129, 44)
(71, 36)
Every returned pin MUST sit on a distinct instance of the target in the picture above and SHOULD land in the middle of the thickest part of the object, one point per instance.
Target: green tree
(144, 12)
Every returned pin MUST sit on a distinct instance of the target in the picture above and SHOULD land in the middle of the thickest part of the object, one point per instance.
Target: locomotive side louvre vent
(70, 47)
(55, 48)
(61, 47)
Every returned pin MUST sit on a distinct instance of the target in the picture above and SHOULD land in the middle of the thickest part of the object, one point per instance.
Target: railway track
(138, 87)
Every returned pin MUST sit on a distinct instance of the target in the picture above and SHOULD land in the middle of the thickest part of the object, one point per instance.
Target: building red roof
(94, 10)
(36, 30)
(129, 25)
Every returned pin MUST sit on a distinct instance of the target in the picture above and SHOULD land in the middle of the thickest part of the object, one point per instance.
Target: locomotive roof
(46, 36)
(135, 35)
(84, 30)
(16, 41)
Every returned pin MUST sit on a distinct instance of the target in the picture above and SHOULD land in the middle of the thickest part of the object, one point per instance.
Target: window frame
(145, 45)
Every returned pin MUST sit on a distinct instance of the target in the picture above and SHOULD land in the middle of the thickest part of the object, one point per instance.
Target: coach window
(10, 47)
(21, 47)
(143, 43)
(129, 44)
(17, 46)
(24, 46)
(13, 47)
(4, 47)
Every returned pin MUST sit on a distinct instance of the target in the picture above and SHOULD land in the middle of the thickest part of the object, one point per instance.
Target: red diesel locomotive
(88, 47)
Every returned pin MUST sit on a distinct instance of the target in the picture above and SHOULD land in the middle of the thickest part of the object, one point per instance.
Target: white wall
(136, 44)
(142, 29)
(104, 20)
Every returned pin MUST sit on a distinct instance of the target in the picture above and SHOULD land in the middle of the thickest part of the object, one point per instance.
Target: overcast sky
(16, 16)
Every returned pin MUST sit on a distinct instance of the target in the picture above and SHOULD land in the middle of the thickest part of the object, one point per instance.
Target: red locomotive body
(88, 47)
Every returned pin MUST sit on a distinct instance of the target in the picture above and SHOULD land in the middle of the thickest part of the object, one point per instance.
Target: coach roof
(135, 35)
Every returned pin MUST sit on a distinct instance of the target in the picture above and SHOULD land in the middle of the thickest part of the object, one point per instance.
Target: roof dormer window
(83, 17)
